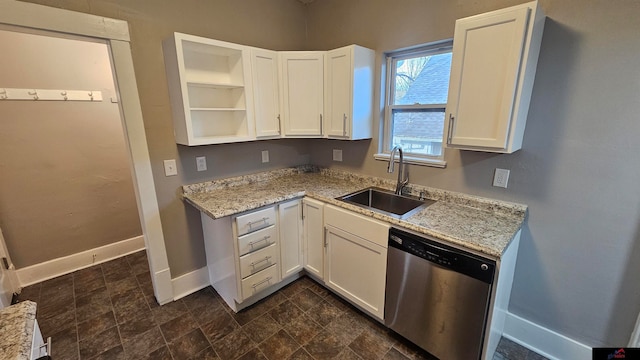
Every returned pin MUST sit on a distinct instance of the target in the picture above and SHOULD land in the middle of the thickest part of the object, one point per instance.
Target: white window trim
(384, 145)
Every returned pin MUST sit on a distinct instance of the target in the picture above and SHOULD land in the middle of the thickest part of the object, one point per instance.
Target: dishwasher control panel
(422, 251)
(443, 255)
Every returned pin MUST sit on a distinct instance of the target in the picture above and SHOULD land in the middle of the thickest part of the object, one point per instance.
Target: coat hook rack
(7, 94)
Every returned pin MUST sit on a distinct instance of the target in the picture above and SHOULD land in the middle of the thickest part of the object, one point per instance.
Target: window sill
(413, 160)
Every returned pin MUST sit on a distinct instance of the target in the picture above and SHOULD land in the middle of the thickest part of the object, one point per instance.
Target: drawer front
(258, 260)
(256, 220)
(257, 240)
(260, 281)
(356, 224)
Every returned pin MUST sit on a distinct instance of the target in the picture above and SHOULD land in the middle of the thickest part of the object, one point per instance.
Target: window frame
(391, 58)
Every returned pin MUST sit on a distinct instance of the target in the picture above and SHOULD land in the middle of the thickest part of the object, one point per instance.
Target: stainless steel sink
(387, 202)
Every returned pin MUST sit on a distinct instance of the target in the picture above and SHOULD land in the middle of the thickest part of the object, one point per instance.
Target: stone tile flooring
(108, 312)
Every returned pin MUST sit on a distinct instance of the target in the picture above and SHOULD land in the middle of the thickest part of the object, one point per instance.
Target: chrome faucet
(402, 180)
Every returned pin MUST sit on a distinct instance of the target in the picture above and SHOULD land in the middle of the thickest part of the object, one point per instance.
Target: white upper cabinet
(223, 92)
(209, 86)
(266, 93)
(302, 74)
(492, 73)
(349, 79)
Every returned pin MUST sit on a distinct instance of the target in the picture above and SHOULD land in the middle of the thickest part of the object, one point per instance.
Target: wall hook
(3, 94)
(34, 93)
(64, 95)
(91, 95)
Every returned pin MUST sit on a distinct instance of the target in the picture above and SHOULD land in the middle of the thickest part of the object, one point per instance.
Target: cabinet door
(313, 237)
(265, 93)
(486, 65)
(290, 237)
(302, 92)
(356, 269)
(349, 93)
(339, 92)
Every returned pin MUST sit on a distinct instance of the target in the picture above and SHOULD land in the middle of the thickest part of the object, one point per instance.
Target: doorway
(66, 185)
(115, 34)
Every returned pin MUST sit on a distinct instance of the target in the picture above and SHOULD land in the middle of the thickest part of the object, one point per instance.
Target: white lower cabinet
(356, 258)
(242, 267)
(290, 217)
(249, 253)
(346, 250)
(313, 225)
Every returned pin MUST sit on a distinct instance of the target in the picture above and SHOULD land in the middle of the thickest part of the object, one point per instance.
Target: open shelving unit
(209, 98)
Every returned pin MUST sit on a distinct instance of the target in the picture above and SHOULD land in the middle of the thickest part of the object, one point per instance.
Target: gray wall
(577, 270)
(65, 178)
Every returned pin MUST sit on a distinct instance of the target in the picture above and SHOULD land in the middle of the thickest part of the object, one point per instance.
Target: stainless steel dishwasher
(437, 296)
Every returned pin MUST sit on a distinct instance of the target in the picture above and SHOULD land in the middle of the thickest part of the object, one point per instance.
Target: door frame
(116, 34)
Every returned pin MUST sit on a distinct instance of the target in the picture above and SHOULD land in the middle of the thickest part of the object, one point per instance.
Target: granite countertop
(476, 223)
(16, 322)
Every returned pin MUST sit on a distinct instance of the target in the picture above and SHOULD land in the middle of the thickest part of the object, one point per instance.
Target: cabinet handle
(344, 125)
(266, 258)
(321, 127)
(279, 131)
(254, 286)
(266, 238)
(46, 347)
(451, 118)
(264, 220)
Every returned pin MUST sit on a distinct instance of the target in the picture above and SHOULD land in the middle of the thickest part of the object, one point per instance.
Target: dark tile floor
(108, 312)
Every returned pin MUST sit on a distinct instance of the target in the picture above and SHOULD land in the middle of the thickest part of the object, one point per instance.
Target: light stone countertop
(476, 223)
(16, 323)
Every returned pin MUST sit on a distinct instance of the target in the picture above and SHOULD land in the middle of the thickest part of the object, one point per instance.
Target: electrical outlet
(501, 178)
(265, 156)
(337, 155)
(201, 163)
(170, 168)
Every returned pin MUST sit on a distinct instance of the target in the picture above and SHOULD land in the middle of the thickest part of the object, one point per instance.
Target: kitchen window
(415, 102)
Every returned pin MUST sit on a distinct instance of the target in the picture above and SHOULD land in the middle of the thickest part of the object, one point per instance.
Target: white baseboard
(545, 342)
(163, 289)
(189, 283)
(49, 269)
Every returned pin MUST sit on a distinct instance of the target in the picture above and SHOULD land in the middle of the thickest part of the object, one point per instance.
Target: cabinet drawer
(259, 281)
(258, 260)
(356, 224)
(256, 220)
(257, 240)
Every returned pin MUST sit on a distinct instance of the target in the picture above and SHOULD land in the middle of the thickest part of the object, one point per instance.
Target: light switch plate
(170, 168)
(201, 163)
(265, 156)
(337, 155)
(501, 178)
